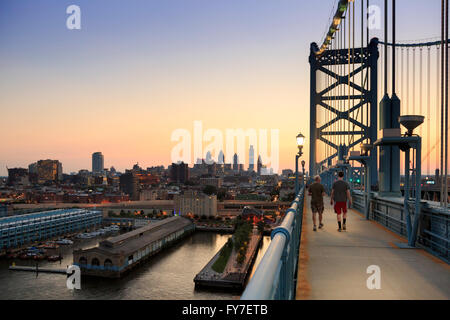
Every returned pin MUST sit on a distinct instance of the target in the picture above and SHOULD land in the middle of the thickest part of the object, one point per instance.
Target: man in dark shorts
(317, 191)
(340, 193)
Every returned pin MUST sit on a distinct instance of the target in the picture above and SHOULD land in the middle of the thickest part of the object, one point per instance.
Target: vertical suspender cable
(428, 109)
(385, 47)
(414, 81)
(420, 88)
(446, 105)
(362, 66)
(438, 60)
(393, 47)
(407, 81)
(367, 70)
(442, 104)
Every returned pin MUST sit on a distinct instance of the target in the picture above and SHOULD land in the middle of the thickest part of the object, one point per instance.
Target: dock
(37, 269)
(234, 275)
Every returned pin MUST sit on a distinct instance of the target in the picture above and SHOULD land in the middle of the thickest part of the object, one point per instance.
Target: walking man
(340, 193)
(317, 191)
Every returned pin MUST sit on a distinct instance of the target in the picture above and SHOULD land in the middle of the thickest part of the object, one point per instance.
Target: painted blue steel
(406, 144)
(368, 60)
(410, 45)
(276, 275)
(296, 173)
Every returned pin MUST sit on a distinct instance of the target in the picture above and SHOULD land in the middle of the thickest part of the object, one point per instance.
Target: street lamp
(300, 143)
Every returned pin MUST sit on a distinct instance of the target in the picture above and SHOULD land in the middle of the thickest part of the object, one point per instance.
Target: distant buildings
(129, 184)
(259, 165)
(251, 159)
(45, 171)
(235, 162)
(179, 172)
(221, 158)
(195, 203)
(97, 162)
(211, 181)
(18, 176)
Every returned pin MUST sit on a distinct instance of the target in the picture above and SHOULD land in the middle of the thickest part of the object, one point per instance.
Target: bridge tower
(364, 97)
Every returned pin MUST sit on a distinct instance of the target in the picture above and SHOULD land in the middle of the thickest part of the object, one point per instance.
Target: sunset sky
(140, 69)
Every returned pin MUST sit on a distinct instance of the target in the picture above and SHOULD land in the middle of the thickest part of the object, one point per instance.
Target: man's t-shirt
(316, 190)
(340, 188)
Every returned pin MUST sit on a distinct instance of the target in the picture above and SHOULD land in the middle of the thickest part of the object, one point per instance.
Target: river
(167, 276)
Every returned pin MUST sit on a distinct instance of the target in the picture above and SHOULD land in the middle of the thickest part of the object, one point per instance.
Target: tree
(210, 190)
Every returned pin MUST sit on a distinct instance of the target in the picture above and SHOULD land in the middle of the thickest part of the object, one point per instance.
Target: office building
(98, 164)
(179, 172)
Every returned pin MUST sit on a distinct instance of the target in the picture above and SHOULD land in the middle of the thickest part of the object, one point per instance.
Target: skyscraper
(221, 158)
(235, 162)
(209, 159)
(259, 165)
(251, 159)
(97, 162)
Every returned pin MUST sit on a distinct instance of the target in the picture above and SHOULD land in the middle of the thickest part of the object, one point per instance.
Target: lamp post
(303, 171)
(300, 143)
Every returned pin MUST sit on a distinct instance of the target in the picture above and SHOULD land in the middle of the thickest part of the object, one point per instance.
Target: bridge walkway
(333, 265)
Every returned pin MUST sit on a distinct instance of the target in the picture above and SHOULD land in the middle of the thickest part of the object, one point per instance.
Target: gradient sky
(139, 69)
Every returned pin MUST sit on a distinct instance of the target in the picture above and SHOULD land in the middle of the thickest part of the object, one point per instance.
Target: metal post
(373, 99)
(406, 196)
(417, 206)
(312, 113)
(296, 174)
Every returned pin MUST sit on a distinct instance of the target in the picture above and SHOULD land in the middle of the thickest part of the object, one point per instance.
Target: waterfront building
(195, 203)
(98, 162)
(117, 255)
(22, 229)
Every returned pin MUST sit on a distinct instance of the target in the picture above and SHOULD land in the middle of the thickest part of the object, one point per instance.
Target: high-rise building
(129, 184)
(47, 170)
(209, 159)
(179, 172)
(221, 158)
(97, 162)
(235, 162)
(251, 159)
(259, 165)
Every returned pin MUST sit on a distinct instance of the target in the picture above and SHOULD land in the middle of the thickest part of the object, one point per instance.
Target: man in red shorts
(340, 193)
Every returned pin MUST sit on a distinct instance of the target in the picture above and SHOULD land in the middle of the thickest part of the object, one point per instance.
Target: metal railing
(434, 225)
(276, 275)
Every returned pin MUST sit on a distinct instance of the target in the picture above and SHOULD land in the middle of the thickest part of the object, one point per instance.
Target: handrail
(275, 277)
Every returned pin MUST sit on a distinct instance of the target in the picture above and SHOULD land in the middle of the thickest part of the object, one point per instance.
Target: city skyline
(98, 87)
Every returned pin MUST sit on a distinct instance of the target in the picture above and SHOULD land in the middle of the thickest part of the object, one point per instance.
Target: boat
(50, 245)
(39, 257)
(54, 258)
(64, 241)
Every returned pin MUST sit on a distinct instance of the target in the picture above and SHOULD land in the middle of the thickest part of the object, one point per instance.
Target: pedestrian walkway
(333, 265)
